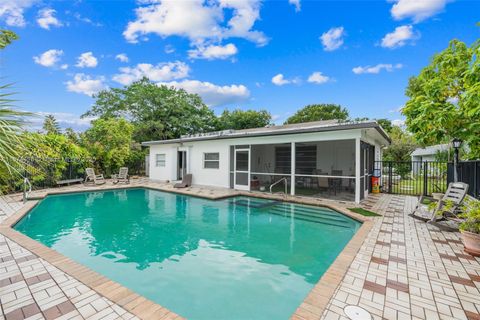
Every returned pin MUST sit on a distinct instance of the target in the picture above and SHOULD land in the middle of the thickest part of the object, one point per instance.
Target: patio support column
(357, 170)
(292, 169)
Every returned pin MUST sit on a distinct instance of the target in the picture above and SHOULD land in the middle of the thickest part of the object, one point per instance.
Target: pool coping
(312, 306)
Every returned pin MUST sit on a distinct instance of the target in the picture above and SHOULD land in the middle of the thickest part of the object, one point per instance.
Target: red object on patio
(376, 184)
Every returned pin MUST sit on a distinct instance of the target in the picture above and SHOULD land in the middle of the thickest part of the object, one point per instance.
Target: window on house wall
(211, 160)
(160, 160)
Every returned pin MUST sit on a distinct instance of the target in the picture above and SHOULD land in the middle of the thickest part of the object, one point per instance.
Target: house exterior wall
(221, 177)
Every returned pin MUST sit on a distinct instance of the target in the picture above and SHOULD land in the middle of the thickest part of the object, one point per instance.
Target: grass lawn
(364, 212)
(415, 186)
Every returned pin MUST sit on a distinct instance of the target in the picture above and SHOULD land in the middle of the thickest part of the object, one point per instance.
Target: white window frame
(159, 161)
(211, 161)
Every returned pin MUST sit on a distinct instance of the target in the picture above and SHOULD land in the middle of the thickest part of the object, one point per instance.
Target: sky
(276, 55)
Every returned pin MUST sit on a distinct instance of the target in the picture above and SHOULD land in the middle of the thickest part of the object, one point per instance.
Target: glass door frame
(235, 185)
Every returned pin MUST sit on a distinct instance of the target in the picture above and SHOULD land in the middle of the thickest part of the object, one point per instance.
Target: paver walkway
(406, 269)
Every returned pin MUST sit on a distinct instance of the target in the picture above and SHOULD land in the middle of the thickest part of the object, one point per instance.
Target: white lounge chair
(452, 199)
(122, 176)
(92, 178)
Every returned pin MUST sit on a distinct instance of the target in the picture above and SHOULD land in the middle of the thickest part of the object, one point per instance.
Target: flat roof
(296, 128)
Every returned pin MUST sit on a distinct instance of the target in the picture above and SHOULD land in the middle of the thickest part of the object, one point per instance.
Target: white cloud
(377, 69)
(64, 119)
(398, 122)
(169, 49)
(332, 39)
(212, 94)
(64, 66)
(318, 78)
(161, 72)
(279, 80)
(197, 20)
(417, 10)
(46, 18)
(49, 58)
(85, 84)
(11, 11)
(296, 3)
(122, 57)
(79, 17)
(399, 37)
(212, 52)
(87, 60)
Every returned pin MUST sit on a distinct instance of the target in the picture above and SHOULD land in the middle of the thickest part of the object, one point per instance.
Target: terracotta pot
(471, 241)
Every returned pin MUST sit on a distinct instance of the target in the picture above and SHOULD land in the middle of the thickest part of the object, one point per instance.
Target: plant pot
(471, 241)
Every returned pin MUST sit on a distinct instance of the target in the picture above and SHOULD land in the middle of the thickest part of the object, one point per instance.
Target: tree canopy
(109, 142)
(157, 112)
(403, 144)
(317, 112)
(50, 125)
(244, 119)
(444, 99)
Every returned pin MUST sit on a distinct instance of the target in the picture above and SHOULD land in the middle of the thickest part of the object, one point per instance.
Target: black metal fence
(468, 172)
(425, 177)
(46, 173)
(412, 177)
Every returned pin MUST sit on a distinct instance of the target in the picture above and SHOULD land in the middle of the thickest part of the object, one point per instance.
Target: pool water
(237, 258)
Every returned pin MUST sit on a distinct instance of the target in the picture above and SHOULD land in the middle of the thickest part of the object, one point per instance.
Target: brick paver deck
(405, 269)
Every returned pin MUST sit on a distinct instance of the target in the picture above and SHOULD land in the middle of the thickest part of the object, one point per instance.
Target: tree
(72, 135)
(317, 112)
(109, 142)
(157, 112)
(386, 124)
(50, 125)
(445, 98)
(244, 119)
(11, 124)
(403, 144)
(6, 38)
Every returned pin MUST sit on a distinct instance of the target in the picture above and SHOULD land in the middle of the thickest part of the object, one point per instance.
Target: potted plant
(470, 227)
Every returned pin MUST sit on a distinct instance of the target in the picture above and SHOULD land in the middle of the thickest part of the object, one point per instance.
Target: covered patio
(319, 169)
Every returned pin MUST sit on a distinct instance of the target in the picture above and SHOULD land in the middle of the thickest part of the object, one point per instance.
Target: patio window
(160, 160)
(211, 160)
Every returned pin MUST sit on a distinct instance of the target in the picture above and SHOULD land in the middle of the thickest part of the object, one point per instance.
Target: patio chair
(451, 200)
(93, 178)
(336, 183)
(186, 182)
(322, 182)
(122, 176)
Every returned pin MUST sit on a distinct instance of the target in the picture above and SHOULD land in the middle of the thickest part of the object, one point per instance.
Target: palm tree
(11, 140)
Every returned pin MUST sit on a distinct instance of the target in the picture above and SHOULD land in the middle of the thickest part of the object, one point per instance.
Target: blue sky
(277, 55)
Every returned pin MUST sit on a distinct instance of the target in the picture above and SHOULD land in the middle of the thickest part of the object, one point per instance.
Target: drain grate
(357, 313)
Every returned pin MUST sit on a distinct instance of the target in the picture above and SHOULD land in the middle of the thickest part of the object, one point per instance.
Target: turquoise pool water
(238, 258)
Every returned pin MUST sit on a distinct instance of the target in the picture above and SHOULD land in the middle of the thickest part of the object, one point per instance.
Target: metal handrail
(25, 192)
(275, 183)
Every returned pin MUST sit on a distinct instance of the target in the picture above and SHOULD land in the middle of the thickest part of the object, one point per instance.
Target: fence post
(425, 178)
(390, 177)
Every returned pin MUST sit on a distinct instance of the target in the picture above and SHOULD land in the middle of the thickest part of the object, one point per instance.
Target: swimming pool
(236, 258)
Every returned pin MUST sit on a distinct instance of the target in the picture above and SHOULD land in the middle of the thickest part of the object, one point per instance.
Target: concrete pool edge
(312, 307)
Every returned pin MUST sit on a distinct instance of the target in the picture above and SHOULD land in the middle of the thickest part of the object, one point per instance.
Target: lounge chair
(446, 207)
(186, 182)
(93, 178)
(122, 176)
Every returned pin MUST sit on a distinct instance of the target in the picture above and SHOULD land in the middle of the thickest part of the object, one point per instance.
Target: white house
(328, 159)
(428, 153)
